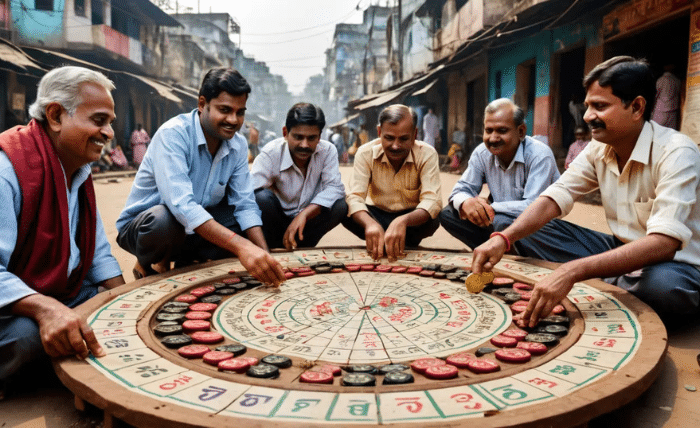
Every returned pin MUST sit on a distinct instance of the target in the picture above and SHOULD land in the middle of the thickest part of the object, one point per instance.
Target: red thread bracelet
(502, 235)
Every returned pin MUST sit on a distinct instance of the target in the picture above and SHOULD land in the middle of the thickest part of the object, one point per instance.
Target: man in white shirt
(647, 175)
(297, 182)
(431, 128)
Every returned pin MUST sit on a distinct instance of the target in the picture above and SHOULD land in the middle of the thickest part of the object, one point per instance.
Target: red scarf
(41, 254)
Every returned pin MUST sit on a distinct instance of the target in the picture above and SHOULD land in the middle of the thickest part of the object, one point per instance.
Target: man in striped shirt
(297, 182)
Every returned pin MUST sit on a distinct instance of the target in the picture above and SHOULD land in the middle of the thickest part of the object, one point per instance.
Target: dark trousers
(155, 235)
(276, 222)
(414, 234)
(469, 233)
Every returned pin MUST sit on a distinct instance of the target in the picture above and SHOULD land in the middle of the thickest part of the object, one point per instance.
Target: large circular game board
(323, 344)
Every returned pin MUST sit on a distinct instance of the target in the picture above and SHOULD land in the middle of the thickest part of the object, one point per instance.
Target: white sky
(290, 36)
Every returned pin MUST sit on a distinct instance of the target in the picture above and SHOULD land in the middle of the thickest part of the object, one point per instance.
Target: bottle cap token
(278, 361)
(483, 366)
(238, 365)
(196, 325)
(263, 371)
(163, 329)
(203, 307)
(513, 355)
(215, 357)
(460, 360)
(504, 341)
(198, 315)
(515, 333)
(193, 351)
(475, 283)
(235, 349)
(422, 364)
(207, 337)
(203, 291)
(176, 341)
(316, 377)
(446, 371)
(389, 368)
(397, 378)
(186, 298)
(534, 348)
(359, 379)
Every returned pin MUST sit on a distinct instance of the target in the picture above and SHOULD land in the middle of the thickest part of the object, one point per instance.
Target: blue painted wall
(38, 27)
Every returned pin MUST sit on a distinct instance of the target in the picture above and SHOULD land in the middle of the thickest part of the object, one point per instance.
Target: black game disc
(431, 266)
(220, 285)
(226, 291)
(211, 299)
(176, 341)
(483, 351)
(337, 265)
(389, 368)
(397, 378)
(263, 371)
(253, 283)
(277, 360)
(557, 330)
(176, 305)
(236, 350)
(555, 320)
(361, 368)
(448, 268)
(163, 329)
(358, 379)
(544, 338)
(454, 277)
(164, 316)
(502, 291)
(322, 269)
(511, 297)
(239, 286)
(173, 310)
(439, 275)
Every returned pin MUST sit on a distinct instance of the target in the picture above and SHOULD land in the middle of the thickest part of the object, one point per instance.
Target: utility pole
(400, 50)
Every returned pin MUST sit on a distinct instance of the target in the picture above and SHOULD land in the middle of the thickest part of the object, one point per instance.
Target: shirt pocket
(217, 192)
(643, 211)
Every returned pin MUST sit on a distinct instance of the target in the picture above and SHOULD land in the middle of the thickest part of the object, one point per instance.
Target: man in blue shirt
(192, 196)
(54, 253)
(297, 182)
(516, 168)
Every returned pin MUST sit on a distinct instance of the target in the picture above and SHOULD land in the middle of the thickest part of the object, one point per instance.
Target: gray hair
(395, 112)
(62, 85)
(518, 113)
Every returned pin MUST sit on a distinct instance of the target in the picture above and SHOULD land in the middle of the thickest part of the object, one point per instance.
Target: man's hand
(374, 240)
(62, 330)
(478, 211)
(488, 254)
(259, 262)
(296, 228)
(395, 239)
(546, 295)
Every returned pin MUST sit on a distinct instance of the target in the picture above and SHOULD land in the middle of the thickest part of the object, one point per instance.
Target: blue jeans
(19, 337)
(276, 222)
(671, 288)
(414, 234)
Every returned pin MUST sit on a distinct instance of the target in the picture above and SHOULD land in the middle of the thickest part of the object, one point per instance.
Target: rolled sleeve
(576, 181)
(332, 187)
(242, 197)
(359, 184)
(430, 196)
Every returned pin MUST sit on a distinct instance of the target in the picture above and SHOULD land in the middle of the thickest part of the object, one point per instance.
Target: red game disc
(251, 360)
(352, 268)
(501, 281)
(235, 280)
(513, 355)
(197, 315)
(306, 273)
(215, 357)
(332, 369)
(422, 364)
(299, 269)
(522, 286)
(399, 269)
(238, 365)
(414, 269)
(504, 341)
(196, 325)
(446, 371)
(316, 377)
(525, 296)
(383, 268)
(515, 333)
(535, 348)
(203, 291)
(203, 307)
(336, 270)
(193, 351)
(559, 309)
(206, 337)
(367, 267)
(289, 275)
(460, 360)
(518, 306)
(483, 366)
(426, 273)
(187, 298)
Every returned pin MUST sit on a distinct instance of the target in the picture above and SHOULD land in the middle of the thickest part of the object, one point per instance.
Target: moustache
(303, 150)
(597, 124)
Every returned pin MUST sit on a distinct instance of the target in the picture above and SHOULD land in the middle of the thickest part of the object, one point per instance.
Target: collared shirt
(513, 187)
(179, 171)
(12, 288)
(274, 168)
(658, 190)
(416, 185)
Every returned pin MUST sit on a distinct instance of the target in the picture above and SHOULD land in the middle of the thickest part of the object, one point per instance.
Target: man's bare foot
(162, 266)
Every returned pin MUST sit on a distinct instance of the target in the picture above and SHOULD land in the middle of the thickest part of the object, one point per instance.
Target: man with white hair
(53, 250)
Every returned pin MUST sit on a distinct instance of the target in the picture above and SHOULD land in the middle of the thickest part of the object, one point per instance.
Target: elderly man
(192, 197)
(516, 168)
(402, 178)
(648, 179)
(53, 250)
(297, 182)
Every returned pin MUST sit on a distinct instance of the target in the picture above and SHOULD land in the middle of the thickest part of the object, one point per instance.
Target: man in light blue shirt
(192, 195)
(516, 168)
(297, 182)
